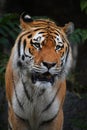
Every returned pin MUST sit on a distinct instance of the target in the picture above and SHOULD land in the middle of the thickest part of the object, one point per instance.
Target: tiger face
(43, 49)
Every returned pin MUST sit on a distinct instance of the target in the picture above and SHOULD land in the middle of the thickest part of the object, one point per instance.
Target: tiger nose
(49, 65)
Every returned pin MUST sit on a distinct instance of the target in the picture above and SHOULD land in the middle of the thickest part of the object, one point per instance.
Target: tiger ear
(68, 28)
(25, 20)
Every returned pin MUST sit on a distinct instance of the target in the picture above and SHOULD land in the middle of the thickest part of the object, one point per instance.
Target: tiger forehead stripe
(29, 36)
(20, 40)
(45, 23)
(39, 24)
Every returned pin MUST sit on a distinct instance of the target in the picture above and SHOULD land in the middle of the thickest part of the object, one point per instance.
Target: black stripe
(63, 39)
(26, 92)
(49, 120)
(20, 117)
(56, 33)
(27, 55)
(39, 28)
(19, 43)
(24, 44)
(30, 51)
(67, 51)
(49, 105)
(21, 106)
(23, 57)
(24, 34)
(19, 64)
(24, 120)
(29, 36)
(41, 32)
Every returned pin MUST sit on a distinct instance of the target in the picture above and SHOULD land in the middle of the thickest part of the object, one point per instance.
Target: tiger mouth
(45, 77)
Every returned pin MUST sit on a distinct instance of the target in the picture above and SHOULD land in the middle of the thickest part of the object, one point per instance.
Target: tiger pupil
(58, 47)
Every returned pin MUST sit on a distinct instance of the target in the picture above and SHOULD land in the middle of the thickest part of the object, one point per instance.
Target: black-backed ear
(68, 28)
(26, 17)
(25, 21)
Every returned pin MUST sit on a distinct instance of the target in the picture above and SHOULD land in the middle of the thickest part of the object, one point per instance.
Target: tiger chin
(36, 75)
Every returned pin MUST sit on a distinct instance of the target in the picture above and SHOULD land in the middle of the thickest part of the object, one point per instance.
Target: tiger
(36, 74)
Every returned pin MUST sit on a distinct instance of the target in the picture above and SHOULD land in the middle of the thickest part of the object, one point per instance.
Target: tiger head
(43, 49)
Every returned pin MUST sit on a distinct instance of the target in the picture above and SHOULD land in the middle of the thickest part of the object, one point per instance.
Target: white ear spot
(27, 17)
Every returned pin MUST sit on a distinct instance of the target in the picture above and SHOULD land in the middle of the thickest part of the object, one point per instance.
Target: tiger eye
(58, 47)
(37, 45)
(38, 39)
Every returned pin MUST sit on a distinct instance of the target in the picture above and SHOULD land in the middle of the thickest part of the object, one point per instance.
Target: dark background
(60, 10)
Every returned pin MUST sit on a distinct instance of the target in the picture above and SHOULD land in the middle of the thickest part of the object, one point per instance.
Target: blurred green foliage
(79, 36)
(9, 29)
(83, 5)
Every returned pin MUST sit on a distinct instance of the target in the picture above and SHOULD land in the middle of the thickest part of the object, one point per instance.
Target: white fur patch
(33, 109)
(38, 37)
(27, 16)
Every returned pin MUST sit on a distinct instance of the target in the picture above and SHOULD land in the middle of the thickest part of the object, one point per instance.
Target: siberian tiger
(35, 75)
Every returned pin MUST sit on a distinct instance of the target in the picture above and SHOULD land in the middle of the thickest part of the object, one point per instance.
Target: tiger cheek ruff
(35, 75)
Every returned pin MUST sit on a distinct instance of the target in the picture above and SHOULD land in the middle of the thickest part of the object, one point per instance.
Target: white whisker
(39, 69)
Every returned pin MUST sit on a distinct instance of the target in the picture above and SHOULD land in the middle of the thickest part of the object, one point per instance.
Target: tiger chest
(37, 104)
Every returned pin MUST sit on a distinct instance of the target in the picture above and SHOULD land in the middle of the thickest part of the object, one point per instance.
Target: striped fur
(35, 75)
